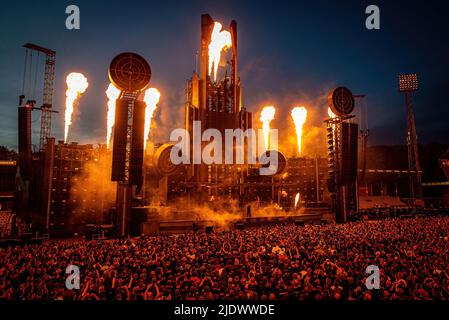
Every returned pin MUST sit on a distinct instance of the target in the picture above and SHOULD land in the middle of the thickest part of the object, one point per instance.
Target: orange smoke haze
(92, 191)
(221, 212)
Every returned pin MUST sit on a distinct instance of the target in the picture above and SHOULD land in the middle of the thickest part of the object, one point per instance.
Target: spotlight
(408, 82)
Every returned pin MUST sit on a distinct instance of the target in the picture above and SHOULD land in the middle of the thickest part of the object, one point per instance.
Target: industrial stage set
(150, 194)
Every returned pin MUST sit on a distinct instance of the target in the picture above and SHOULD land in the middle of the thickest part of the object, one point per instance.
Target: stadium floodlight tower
(408, 83)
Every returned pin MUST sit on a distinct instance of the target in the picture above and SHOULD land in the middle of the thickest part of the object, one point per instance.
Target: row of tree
(7, 154)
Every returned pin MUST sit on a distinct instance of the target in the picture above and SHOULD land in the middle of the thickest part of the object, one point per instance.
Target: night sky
(291, 52)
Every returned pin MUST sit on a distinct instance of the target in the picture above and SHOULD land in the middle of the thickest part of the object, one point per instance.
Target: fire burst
(330, 113)
(113, 94)
(297, 200)
(221, 40)
(76, 85)
(152, 97)
(299, 115)
(266, 117)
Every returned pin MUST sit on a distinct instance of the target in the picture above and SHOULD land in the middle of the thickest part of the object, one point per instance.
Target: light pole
(408, 83)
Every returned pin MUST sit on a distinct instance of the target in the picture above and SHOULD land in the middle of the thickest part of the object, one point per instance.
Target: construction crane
(49, 82)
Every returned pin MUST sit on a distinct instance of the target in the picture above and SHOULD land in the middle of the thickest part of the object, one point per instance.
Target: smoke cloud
(92, 191)
(222, 213)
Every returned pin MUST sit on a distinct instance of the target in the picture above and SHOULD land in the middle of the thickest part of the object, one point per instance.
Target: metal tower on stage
(47, 99)
(131, 74)
(364, 133)
(342, 136)
(408, 83)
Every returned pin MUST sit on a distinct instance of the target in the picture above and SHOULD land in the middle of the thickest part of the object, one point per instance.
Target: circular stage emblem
(163, 163)
(130, 72)
(282, 161)
(341, 101)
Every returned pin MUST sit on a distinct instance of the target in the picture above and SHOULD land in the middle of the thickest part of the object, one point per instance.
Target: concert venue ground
(282, 262)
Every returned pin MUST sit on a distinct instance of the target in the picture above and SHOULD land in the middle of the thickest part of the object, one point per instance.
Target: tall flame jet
(221, 40)
(298, 195)
(152, 97)
(76, 85)
(266, 117)
(299, 115)
(113, 94)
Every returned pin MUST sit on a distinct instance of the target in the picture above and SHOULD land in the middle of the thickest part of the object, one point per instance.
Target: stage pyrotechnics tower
(342, 135)
(213, 98)
(26, 199)
(130, 73)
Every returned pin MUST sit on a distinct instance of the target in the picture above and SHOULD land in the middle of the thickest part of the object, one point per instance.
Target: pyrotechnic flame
(330, 113)
(221, 40)
(297, 200)
(299, 115)
(152, 97)
(76, 85)
(113, 94)
(266, 117)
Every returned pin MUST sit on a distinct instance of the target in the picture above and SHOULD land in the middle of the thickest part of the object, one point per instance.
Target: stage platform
(182, 226)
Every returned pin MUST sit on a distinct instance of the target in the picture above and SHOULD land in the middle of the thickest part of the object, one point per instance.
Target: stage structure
(213, 97)
(364, 132)
(408, 83)
(27, 199)
(49, 83)
(131, 74)
(342, 136)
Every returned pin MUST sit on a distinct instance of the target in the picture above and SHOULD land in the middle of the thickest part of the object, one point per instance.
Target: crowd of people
(267, 263)
(397, 212)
